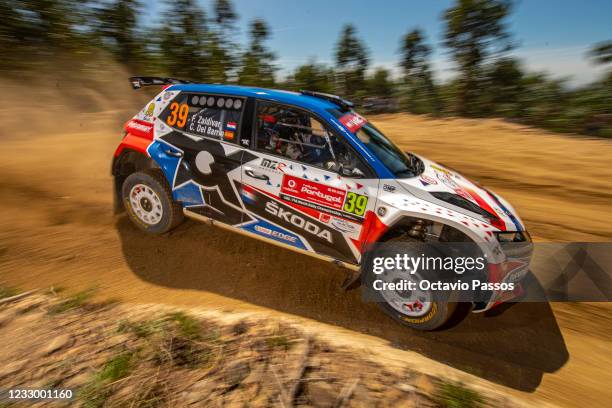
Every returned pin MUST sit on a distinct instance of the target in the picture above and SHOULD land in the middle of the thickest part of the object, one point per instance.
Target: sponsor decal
(167, 95)
(426, 180)
(318, 207)
(298, 221)
(245, 142)
(321, 197)
(139, 128)
(273, 164)
(461, 192)
(447, 180)
(228, 135)
(275, 234)
(150, 110)
(353, 121)
(343, 225)
(440, 169)
(326, 218)
(313, 192)
(516, 271)
(417, 320)
(321, 238)
(388, 188)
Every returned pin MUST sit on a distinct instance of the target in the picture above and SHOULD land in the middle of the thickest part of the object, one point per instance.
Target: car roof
(312, 103)
(276, 95)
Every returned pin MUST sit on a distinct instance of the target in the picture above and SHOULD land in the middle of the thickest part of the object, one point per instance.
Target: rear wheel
(148, 201)
(419, 309)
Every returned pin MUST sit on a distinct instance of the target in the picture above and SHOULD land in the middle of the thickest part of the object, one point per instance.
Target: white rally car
(305, 172)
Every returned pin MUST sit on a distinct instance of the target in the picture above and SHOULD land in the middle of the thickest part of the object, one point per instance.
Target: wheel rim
(146, 204)
(413, 303)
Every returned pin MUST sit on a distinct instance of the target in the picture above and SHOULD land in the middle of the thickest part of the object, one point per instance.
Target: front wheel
(148, 202)
(418, 309)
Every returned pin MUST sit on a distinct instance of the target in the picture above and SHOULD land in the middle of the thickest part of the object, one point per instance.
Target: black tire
(442, 305)
(171, 213)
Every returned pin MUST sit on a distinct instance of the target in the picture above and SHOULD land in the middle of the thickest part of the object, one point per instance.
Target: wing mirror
(354, 172)
(344, 171)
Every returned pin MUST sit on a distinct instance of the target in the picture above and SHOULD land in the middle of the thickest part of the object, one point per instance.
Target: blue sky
(551, 36)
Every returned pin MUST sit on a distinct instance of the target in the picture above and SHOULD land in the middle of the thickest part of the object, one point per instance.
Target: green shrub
(456, 395)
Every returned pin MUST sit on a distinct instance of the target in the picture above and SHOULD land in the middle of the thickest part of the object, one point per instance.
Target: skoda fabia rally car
(302, 170)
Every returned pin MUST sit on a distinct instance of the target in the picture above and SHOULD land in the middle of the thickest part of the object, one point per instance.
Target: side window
(294, 134)
(213, 116)
(347, 161)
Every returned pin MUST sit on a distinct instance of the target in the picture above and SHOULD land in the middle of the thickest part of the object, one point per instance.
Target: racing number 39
(178, 114)
(355, 203)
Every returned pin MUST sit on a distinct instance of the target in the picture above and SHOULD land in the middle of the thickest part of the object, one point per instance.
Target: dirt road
(57, 229)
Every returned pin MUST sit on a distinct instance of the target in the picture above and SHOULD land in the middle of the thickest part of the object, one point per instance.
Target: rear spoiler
(342, 103)
(140, 81)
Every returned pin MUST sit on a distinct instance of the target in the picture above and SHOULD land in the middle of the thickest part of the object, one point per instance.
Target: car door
(204, 133)
(297, 189)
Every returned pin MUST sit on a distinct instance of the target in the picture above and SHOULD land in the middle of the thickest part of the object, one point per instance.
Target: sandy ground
(57, 228)
(190, 357)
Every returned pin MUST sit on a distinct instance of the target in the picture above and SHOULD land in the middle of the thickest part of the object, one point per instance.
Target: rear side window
(215, 116)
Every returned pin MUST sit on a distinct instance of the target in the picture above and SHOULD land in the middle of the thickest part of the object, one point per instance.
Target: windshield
(398, 162)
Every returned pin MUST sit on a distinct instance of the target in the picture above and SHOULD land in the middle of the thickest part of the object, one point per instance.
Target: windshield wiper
(406, 173)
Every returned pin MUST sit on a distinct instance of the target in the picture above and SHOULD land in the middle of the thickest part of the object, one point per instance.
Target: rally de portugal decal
(321, 197)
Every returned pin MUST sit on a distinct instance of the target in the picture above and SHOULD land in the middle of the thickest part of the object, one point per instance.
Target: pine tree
(116, 23)
(380, 84)
(313, 77)
(257, 68)
(223, 57)
(475, 32)
(182, 41)
(602, 52)
(352, 60)
(42, 23)
(421, 94)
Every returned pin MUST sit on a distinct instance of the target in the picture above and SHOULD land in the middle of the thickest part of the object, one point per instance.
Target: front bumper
(512, 270)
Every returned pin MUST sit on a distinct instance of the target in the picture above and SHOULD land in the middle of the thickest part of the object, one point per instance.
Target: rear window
(215, 116)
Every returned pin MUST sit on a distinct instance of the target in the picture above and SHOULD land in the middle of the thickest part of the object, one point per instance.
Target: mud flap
(118, 207)
(352, 280)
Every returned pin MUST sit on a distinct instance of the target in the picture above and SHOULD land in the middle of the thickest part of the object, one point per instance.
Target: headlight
(461, 202)
(520, 236)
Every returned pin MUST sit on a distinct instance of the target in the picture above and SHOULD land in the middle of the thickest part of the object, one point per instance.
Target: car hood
(461, 195)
